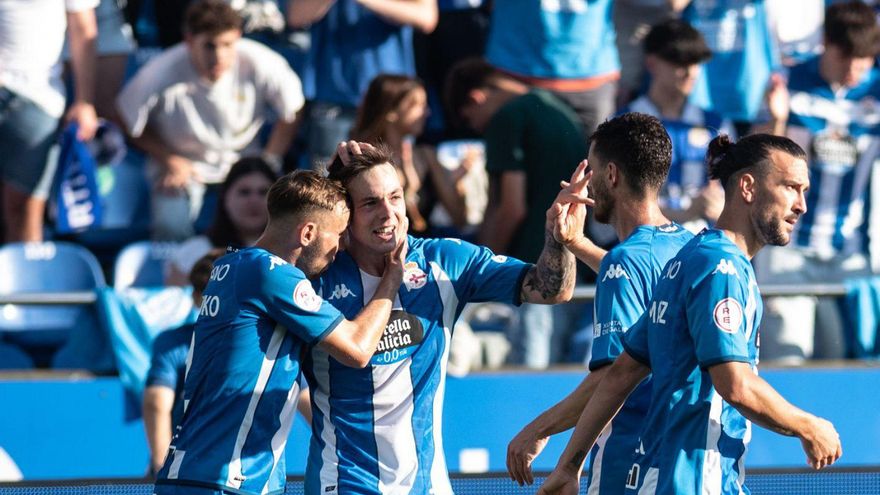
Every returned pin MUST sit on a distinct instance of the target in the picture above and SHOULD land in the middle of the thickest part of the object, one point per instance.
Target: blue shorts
(27, 135)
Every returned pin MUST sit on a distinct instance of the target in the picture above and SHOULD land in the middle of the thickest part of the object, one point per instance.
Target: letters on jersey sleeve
(720, 313)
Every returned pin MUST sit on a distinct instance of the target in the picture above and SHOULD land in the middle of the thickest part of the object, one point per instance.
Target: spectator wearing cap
(200, 105)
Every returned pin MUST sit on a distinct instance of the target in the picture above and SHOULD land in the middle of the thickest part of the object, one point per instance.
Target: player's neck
(631, 214)
(279, 245)
(738, 228)
(367, 259)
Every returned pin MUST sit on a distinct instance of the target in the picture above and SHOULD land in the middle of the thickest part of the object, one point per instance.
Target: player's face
(245, 202)
(213, 55)
(379, 210)
(318, 255)
(599, 189)
(781, 199)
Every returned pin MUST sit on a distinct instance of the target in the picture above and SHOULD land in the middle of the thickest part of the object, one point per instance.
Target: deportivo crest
(413, 276)
(728, 315)
(305, 298)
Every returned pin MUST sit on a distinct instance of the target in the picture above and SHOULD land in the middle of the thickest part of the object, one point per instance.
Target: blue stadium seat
(13, 357)
(142, 264)
(47, 267)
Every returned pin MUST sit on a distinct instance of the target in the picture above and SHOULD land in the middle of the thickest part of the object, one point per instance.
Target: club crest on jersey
(305, 298)
(413, 276)
(726, 267)
(728, 315)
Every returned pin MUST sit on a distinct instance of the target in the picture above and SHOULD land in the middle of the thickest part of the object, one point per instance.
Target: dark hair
(222, 231)
(638, 144)
(726, 158)
(210, 17)
(677, 42)
(465, 76)
(385, 93)
(852, 27)
(201, 271)
(358, 164)
(303, 191)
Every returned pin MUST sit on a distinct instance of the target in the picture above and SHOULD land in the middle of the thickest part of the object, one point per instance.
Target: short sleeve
(169, 358)
(717, 315)
(142, 93)
(635, 342)
(480, 275)
(504, 140)
(80, 5)
(290, 299)
(283, 87)
(617, 307)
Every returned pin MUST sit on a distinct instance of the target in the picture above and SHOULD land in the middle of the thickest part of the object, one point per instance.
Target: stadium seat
(13, 357)
(47, 267)
(142, 264)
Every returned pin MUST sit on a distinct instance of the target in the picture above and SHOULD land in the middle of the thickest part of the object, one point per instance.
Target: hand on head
(346, 149)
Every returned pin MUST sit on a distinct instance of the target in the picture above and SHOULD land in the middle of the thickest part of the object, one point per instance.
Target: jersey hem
(601, 363)
(635, 355)
(517, 296)
(723, 359)
(329, 329)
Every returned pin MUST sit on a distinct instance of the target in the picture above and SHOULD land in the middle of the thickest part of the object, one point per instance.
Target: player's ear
(613, 174)
(308, 232)
(748, 187)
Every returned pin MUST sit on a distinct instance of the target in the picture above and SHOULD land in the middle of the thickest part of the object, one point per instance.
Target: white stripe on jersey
(751, 309)
(596, 478)
(837, 112)
(279, 440)
(329, 460)
(174, 469)
(649, 486)
(439, 474)
(234, 477)
(189, 360)
(392, 427)
(741, 463)
(711, 475)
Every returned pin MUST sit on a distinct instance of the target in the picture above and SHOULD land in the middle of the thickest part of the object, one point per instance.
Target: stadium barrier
(830, 481)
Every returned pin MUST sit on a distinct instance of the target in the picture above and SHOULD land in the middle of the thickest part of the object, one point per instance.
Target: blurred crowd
(486, 105)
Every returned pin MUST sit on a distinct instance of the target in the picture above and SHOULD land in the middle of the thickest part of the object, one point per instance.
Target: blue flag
(77, 199)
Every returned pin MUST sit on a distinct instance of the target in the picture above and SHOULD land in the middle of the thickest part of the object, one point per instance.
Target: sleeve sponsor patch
(305, 298)
(728, 315)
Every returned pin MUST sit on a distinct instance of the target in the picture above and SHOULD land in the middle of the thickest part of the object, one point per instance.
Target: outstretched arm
(759, 402)
(622, 377)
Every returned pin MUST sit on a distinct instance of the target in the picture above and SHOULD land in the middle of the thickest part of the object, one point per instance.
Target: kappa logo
(726, 267)
(615, 271)
(275, 261)
(340, 292)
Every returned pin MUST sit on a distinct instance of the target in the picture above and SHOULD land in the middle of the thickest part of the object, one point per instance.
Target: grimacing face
(318, 255)
(781, 199)
(378, 210)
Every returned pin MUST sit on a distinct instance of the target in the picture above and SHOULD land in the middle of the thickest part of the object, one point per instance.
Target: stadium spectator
(353, 41)
(239, 218)
(32, 101)
(397, 446)
(530, 138)
(674, 51)
(200, 105)
(564, 47)
(834, 114)
(744, 55)
(630, 157)
(393, 112)
(258, 314)
(699, 337)
(632, 21)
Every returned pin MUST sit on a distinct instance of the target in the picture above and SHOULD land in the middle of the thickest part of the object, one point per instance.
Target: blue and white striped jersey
(840, 130)
(627, 278)
(377, 430)
(690, 137)
(705, 311)
(241, 386)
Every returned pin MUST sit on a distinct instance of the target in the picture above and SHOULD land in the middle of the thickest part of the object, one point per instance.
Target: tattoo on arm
(554, 271)
(578, 458)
